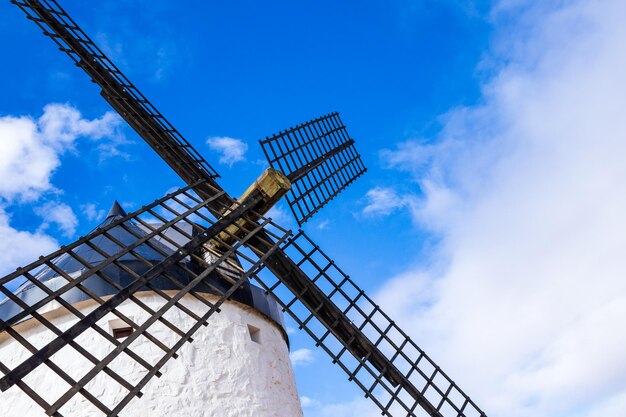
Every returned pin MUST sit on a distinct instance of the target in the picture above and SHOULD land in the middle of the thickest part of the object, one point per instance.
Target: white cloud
(525, 191)
(30, 152)
(58, 214)
(323, 225)
(30, 149)
(307, 402)
(279, 215)
(231, 150)
(301, 357)
(282, 216)
(409, 155)
(382, 201)
(63, 124)
(18, 248)
(25, 162)
(92, 212)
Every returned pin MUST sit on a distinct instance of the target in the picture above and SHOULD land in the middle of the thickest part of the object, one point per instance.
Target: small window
(255, 333)
(120, 329)
(122, 332)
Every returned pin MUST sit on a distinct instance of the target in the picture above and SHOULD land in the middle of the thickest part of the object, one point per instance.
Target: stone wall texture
(222, 373)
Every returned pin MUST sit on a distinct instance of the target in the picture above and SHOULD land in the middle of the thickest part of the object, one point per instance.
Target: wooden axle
(272, 185)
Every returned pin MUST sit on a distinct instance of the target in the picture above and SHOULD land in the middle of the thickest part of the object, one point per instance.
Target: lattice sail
(123, 96)
(320, 160)
(173, 241)
(378, 356)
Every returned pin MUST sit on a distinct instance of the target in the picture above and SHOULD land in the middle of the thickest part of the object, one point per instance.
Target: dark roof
(116, 210)
(30, 293)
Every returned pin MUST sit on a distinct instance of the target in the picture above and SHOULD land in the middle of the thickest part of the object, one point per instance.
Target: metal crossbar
(172, 240)
(320, 160)
(437, 394)
(123, 96)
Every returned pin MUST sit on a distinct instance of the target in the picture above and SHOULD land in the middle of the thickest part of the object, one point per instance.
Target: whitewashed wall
(222, 373)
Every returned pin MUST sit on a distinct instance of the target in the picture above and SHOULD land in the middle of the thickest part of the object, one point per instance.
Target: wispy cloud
(524, 192)
(308, 402)
(281, 215)
(139, 43)
(301, 357)
(136, 52)
(410, 155)
(92, 212)
(383, 201)
(231, 150)
(58, 214)
(323, 224)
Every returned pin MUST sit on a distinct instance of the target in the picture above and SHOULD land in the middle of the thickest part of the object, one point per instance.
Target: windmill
(193, 260)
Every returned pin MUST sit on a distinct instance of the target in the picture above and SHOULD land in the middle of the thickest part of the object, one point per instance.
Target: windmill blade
(121, 94)
(365, 342)
(184, 249)
(320, 160)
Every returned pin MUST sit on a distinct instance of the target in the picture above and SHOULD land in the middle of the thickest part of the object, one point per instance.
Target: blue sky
(390, 71)
(490, 223)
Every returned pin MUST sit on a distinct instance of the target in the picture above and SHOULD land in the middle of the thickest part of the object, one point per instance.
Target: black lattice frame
(123, 96)
(442, 397)
(320, 160)
(174, 211)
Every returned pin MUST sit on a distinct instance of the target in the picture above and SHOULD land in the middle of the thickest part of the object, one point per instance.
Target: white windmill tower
(238, 366)
(92, 324)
